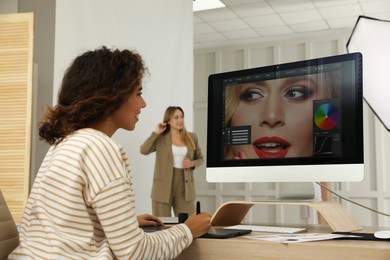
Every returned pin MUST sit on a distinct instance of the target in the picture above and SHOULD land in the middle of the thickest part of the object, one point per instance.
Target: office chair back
(9, 236)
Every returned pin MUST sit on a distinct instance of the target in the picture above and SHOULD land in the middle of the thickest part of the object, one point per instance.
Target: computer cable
(351, 201)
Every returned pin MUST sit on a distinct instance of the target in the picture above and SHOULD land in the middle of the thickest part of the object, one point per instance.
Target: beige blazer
(163, 168)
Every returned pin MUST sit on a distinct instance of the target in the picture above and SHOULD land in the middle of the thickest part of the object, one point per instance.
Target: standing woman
(177, 155)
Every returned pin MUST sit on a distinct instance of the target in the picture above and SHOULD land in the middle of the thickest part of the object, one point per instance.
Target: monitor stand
(337, 217)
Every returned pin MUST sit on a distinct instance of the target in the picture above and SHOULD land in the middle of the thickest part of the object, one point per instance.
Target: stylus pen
(198, 207)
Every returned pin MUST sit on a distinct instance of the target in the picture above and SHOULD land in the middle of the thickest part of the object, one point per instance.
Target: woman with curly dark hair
(82, 202)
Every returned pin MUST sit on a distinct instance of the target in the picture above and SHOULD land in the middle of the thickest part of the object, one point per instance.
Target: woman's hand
(187, 163)
(149, 220)
(160, 128)
(199, 224)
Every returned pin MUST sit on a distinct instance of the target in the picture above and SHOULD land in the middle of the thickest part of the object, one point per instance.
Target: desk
(243, 248)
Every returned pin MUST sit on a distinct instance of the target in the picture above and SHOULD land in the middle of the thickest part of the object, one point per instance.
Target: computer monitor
(293, 122)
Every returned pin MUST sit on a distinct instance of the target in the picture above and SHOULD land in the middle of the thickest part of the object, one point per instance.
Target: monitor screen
(293, 122)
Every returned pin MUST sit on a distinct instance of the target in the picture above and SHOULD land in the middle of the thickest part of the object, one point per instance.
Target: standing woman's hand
(187, 163)
(160, 128)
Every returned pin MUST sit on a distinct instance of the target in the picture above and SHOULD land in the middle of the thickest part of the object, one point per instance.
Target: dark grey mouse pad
(225, 233)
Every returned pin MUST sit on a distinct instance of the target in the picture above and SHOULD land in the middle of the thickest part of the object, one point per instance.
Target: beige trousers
(177, 199)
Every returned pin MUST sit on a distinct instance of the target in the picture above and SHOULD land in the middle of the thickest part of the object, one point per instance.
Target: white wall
(8, 6)
(161, 31)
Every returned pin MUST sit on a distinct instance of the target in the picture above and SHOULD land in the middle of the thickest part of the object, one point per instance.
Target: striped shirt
(81, 206)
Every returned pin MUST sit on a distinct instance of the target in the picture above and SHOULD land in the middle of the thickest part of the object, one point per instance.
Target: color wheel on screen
(326, 116)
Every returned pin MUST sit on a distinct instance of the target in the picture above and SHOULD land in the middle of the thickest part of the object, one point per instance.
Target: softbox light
(371, 37)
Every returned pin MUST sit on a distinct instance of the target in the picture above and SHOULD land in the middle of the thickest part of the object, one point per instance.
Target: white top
(179, 153)
(82, 206)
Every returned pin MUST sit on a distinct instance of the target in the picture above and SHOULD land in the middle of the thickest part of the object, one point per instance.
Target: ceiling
(262, 20)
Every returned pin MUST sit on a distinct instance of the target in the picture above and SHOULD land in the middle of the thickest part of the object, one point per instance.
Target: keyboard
(270, 229)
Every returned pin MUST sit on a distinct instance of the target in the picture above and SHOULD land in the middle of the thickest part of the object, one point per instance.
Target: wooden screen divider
(16, 70)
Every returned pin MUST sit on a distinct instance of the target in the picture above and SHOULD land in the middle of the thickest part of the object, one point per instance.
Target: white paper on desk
(297, 238)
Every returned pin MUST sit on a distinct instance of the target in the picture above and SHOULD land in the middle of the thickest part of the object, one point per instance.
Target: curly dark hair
(96, 84)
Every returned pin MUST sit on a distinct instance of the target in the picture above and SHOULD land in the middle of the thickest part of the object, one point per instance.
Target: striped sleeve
(114, 205)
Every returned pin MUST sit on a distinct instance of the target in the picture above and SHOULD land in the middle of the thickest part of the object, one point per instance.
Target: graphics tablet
(225, 233)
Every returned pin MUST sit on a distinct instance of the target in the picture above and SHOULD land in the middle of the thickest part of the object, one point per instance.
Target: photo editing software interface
(306, 112)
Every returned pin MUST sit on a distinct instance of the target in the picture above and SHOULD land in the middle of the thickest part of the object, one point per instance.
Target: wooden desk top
(243, 248)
